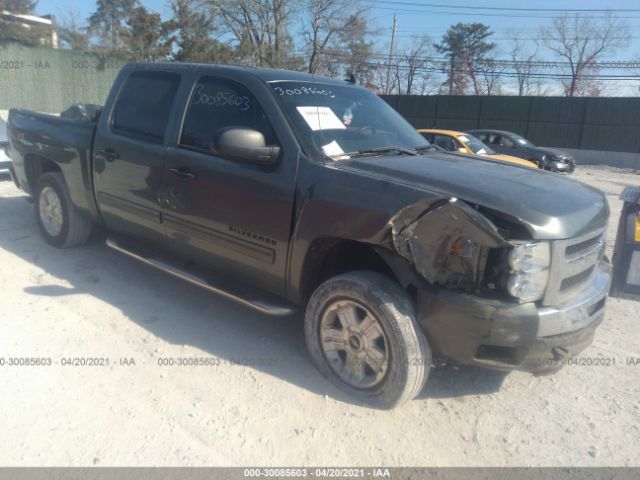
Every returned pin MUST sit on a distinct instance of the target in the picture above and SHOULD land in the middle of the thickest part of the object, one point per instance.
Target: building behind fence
(595, 123)
(50, 80)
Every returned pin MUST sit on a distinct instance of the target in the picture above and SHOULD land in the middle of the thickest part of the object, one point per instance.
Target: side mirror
(244, 144)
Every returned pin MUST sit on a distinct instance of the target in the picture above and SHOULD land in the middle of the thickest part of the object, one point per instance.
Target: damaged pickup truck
(283, 190)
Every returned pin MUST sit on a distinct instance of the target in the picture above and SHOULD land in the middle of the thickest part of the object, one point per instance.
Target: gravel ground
(92, 302)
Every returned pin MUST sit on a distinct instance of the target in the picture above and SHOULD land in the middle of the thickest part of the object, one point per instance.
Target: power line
(445, 68)
(506, 15)
(516, 9)
(605, 65)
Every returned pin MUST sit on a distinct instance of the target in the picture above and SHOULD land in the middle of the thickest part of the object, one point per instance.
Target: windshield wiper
(381, 150)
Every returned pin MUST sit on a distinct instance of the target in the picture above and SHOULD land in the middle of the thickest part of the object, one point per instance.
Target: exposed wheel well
(35, 166)
(330, 257)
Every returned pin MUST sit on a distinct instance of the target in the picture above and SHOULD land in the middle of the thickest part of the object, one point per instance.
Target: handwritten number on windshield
(302, 91)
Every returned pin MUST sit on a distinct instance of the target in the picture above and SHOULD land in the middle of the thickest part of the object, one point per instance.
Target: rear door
(231, 215)
(129, 154)
(503, 144)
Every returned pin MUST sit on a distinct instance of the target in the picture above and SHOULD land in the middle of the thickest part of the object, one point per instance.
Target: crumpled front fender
(425, 232)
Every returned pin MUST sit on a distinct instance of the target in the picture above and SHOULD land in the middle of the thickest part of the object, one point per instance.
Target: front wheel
(59, 221)
(362, 334)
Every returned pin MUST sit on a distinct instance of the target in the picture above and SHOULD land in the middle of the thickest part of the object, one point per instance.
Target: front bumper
(509, 336)
(563, 167)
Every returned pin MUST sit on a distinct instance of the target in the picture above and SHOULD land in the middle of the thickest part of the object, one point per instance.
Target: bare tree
(581, 41)
(357, 49)
(325, 23)
(413, 69)
(488, 75)
(259, 26)
(523, 61)
(73, 35)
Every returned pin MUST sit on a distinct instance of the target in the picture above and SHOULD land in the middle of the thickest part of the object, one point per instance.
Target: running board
(262, 302)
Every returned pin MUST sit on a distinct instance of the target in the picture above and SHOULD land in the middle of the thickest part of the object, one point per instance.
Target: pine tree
(109, 23)
(466, 46)
(146, 36)
(193, 28)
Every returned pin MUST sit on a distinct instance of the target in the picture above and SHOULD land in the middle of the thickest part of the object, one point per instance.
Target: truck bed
(67, 143)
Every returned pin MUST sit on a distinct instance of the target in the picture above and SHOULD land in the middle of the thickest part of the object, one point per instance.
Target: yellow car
(464, 143)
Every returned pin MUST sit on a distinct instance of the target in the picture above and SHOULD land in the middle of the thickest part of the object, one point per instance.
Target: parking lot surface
(110, 328)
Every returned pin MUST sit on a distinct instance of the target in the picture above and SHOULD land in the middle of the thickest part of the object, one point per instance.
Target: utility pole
(393, 39)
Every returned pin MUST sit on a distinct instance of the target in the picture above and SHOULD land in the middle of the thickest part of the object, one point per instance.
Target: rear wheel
(362, 334)
(59, 221)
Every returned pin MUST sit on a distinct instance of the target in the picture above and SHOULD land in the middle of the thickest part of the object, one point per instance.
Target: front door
(231, 215)
(504, 144)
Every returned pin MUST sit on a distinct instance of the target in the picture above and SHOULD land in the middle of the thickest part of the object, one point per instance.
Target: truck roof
(265, 74)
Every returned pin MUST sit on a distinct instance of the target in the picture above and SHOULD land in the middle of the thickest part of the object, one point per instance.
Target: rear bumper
(508, 336)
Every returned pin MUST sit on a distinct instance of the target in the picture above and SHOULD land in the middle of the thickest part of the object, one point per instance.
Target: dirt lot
(92, 302)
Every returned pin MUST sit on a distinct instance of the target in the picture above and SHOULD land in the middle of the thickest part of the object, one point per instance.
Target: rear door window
(217, 104)
(144, 105)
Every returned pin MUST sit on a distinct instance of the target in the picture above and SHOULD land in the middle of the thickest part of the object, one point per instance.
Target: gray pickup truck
(287, 191)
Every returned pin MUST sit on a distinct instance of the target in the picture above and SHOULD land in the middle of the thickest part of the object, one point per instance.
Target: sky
(412, 18)
(416, 17)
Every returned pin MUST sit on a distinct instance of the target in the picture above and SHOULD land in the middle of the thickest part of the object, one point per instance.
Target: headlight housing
(529, 263)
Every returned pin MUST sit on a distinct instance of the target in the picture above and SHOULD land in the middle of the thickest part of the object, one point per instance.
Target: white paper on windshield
(320, 118)
(482, 151)
(334, 150)
(464, 139)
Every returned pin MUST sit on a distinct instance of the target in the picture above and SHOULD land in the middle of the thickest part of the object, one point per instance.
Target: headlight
(529, 264)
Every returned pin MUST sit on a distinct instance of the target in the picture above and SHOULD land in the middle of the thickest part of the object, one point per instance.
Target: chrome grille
(572, 266)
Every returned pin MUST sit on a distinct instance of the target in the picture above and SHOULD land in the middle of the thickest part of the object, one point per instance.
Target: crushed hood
(550, 206)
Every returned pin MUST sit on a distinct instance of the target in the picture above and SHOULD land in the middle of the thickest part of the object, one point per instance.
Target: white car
(5, 161)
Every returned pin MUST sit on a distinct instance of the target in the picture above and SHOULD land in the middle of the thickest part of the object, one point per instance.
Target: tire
(69, 228)
(332, 345)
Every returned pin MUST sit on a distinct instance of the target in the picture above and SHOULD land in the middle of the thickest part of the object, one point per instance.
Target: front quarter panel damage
(425, 233)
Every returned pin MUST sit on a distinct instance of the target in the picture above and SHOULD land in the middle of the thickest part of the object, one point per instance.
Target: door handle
(109, 154)
(184, 173)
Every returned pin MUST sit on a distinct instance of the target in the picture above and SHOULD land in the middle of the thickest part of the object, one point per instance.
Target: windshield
(475, 145)
(336, 120)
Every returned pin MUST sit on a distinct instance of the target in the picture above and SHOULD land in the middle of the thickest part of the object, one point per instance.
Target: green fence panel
(50, 80)
(613, 111)
(459, 107)
(555, 134)
(610, 124)
(557, 109)
(505, 109)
